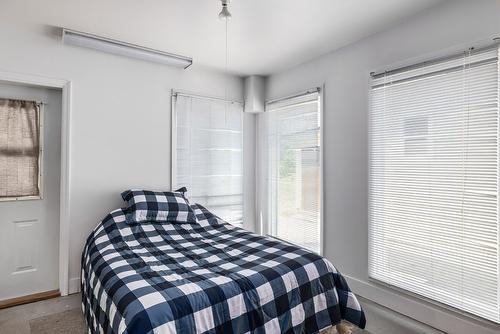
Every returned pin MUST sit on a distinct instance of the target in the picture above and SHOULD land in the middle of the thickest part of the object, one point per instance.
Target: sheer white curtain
(290, 170)
(434, 226)
(208, 154)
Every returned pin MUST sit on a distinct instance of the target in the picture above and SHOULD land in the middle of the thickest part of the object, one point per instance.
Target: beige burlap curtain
(19, 148)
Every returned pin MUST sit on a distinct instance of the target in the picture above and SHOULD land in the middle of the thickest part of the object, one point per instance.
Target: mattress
(206, 277)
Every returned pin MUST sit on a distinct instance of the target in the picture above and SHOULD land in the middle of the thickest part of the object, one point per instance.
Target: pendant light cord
(226, 71)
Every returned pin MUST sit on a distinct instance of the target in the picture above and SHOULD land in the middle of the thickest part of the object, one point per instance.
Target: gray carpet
(71, 322)
(63, 315)
(67, 322)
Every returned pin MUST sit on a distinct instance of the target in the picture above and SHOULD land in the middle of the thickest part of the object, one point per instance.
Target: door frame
(64, 193)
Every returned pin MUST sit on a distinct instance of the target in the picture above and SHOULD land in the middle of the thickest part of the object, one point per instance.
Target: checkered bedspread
(208, 277)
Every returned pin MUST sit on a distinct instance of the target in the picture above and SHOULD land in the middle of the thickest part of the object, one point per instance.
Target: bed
(206, 277)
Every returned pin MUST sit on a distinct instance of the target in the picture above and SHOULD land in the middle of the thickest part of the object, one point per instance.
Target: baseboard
(427, 313)
(74, 285)
(29, 299)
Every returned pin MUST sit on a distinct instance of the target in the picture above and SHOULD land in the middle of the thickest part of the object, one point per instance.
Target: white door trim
(65, 85)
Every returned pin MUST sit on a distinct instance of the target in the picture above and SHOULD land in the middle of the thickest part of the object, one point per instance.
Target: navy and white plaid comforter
(208, 277)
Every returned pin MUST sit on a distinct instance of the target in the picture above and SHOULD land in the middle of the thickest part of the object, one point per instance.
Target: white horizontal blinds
(209, 154)
(434, 226)
(292, 130)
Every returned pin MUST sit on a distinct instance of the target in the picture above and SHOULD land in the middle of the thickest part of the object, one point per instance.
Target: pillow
(157, 206)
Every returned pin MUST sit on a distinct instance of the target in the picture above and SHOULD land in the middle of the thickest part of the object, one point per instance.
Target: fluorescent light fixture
(108, 45)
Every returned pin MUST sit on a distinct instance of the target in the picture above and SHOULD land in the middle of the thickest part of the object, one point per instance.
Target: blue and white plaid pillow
(157, 206)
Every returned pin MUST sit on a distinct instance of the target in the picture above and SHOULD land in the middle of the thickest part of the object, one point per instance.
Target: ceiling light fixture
(224, 13)
(112, 46)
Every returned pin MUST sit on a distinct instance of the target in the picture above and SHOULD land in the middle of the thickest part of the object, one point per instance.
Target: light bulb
(224, 13)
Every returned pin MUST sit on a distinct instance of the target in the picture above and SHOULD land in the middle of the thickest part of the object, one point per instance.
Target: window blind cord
(189, 116)
(429, 193)
(384, 108)
(465, 145)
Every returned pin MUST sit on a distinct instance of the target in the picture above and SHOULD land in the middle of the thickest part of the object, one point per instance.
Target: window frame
(41, 113)
(173, 140)
(264, 211)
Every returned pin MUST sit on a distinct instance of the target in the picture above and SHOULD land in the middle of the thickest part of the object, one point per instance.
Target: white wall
(121, 119)
(346, 76)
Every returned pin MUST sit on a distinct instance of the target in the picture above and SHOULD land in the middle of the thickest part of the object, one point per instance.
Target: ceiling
(265, 36)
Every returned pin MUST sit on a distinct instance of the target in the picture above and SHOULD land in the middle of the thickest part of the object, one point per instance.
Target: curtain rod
(198, 96)
(307, 92)
(37, 102)
(496, 42)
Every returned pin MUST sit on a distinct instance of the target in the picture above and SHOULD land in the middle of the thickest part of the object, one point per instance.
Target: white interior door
(29, 229)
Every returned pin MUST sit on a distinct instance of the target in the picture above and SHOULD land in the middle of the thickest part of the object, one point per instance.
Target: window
(434, 227)
(292, 169)
(208, 153)
(20, 152)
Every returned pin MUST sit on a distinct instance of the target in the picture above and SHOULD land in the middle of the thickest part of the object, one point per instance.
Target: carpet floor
(72, 322)
(63, 315)
(67, 322)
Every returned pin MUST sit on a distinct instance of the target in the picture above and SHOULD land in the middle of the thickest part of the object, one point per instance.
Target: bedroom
(339, 132)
